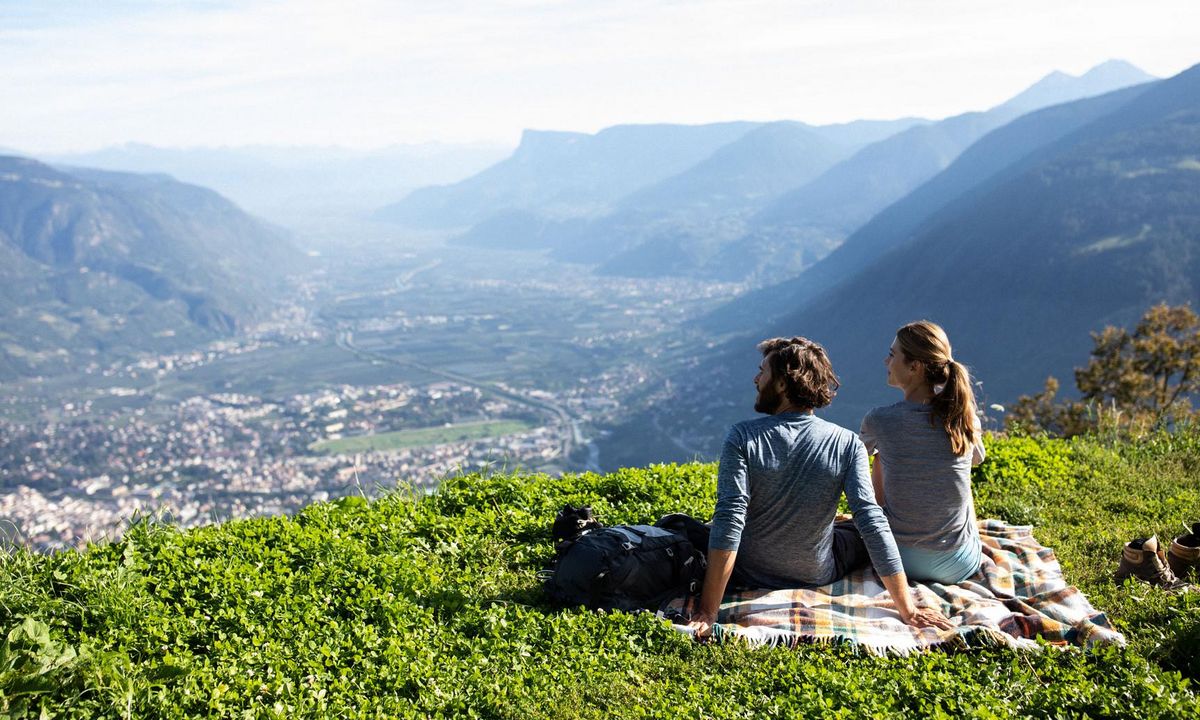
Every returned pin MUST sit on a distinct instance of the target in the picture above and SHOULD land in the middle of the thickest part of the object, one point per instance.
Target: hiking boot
(1144, 560)
(1184, 555)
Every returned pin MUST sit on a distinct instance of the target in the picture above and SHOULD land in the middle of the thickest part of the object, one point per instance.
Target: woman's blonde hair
(954, 405)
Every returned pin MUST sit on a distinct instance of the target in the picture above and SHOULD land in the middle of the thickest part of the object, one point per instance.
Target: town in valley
(390, 388)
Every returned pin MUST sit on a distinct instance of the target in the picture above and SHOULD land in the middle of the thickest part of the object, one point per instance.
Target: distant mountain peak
(1055, 76)
(1117, 65)
(1059, 87)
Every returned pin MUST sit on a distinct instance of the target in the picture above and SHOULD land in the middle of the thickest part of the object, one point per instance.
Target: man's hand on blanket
(701, 624)
(716, 578)
(927, 617)
(910, 613)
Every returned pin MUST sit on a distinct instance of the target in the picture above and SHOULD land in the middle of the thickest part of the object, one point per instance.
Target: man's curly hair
(805, 368)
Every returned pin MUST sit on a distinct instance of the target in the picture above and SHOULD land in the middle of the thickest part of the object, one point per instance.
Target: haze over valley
(224, 332)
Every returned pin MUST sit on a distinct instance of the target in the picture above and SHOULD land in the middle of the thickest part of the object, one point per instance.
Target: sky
(83, 74)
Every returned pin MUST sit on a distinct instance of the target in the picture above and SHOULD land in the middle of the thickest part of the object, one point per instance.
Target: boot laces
(1164, 574)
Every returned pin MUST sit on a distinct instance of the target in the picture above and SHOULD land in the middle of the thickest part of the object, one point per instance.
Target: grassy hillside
(429, 606)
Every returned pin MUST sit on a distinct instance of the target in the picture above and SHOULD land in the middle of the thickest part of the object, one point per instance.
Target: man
(777, 493)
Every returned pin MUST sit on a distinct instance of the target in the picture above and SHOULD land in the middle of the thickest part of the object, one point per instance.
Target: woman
(924, 448)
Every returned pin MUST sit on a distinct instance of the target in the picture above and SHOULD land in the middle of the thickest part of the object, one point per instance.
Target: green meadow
(430, 606)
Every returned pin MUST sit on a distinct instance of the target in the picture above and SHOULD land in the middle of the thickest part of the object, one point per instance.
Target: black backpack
(627, 567)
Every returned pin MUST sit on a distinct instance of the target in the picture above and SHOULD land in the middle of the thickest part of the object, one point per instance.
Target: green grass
(420, 437)
(430, 606)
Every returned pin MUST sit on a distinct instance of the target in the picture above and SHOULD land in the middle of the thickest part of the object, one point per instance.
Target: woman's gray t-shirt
(927, 488)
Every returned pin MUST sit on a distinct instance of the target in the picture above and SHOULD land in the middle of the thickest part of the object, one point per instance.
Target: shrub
(1134, 383)
(1018, 475)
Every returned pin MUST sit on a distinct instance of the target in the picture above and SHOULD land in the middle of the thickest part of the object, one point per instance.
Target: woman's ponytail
(954, 406)
(953, 403)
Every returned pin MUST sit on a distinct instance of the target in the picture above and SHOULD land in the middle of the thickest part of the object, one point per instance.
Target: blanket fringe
(966, 640)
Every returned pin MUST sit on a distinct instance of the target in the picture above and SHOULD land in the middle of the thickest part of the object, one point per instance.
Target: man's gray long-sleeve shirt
(777, 493)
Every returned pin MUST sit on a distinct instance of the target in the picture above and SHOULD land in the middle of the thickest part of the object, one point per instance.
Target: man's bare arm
(716, 578)
(897, 587)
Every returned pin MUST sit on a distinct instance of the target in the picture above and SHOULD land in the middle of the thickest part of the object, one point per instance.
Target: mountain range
(1045, 230)
(295, 186)
(1000, 150)
(758, 202)
(679, 222)
(651, 231)
(848, 195)
(815, 216)
(97, 263)
(565, 174)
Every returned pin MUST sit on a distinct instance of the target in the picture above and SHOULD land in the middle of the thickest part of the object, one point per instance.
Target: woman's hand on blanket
(926, 617)
(701, 624)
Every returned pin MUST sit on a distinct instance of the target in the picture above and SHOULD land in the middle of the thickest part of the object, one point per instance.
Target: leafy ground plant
(430, 606)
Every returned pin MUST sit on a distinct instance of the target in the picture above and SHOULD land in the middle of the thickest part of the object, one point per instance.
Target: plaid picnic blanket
(1019, 594)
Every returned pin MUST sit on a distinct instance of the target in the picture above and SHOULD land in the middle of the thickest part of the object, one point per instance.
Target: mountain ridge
(849, 194)
(293, 186)
(565, 174)
(1097, 80)
(998, 151)
(103, 262)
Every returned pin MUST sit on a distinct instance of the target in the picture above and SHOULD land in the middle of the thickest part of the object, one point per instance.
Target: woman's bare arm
(977, 451)
(877, 480)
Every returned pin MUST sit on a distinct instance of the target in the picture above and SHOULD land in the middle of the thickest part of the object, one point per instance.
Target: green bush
(430, 606)
(1019, 474)
(1040, 463)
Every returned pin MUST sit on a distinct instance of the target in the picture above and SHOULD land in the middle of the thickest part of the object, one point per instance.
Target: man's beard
(768, 401)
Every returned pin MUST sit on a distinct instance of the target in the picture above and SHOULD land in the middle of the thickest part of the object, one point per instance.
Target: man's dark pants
(849, 554)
